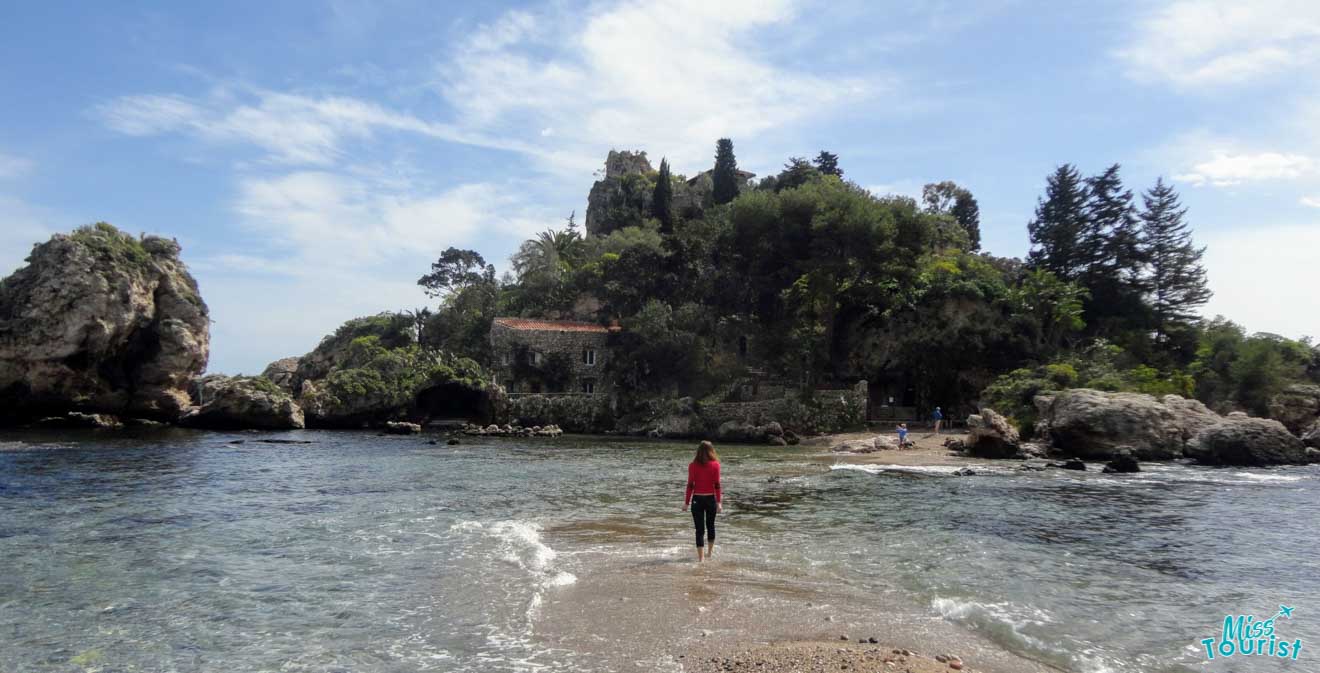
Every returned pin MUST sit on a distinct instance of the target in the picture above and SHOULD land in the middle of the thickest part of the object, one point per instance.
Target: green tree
(797, 172)
(662, 200)
(1054, 307)
(725, 175)
(828, 164)
(1116, 276)
(947, 198)
(454, 270)
(1177, 280)
(1060, 238)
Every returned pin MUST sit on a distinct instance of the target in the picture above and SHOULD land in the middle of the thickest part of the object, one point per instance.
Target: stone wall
(830, 410)
(572, 413)
(512, 346)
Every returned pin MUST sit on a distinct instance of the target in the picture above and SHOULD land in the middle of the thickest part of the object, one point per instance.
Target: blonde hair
(706, 453)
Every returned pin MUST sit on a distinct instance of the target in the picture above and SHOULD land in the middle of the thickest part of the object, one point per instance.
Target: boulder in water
(402, 428)
(1190, 416)
(1095, 424)
(1071, 464)
(1123, 462)
(990, 435)
(100, 321)
(241, 402)
(1247, 441)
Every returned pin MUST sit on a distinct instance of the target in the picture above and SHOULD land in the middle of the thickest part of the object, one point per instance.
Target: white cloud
(1209, 43)
(634, 75)
(1266, 278)
(333, 246)
(1225, 170)
(12, 166)
(288, 128)
(1312, 201)
(325, 236)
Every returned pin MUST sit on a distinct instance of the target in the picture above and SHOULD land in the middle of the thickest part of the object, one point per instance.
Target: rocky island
(104, 329)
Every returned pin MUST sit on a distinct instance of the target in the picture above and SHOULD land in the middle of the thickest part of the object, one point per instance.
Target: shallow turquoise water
(183, 551)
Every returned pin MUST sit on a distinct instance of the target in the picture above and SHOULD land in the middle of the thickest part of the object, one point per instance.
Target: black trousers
(703, 518)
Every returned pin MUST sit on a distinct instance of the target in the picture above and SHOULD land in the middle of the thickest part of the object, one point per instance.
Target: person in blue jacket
(938, 417)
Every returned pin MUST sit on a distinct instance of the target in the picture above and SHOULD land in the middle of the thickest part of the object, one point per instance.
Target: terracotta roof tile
(532, 325)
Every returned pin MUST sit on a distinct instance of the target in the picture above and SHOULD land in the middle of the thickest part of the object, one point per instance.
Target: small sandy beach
(811, 657)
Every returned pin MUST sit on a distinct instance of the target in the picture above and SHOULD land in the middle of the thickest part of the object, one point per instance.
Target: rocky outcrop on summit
(623, 195)
(101, 321)
(990, 435)
(226, 403)
(1095, 424)
(1247, 441)
(1297, 407)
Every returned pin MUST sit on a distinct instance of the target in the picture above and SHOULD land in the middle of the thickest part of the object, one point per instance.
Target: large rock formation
(990, 435)
(1297, 407)
(1247, 441)
(623, 196)
(226, 402)
(101, 321)
(1190, 416)
(283, 373)
(1094, 424)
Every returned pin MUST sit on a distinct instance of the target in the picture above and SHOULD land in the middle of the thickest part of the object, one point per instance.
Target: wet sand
(812, 657)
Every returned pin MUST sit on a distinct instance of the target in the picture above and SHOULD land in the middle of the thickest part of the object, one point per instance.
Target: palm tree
(549, 255)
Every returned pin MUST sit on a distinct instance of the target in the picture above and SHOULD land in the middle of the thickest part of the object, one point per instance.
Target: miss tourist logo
(1247, 635)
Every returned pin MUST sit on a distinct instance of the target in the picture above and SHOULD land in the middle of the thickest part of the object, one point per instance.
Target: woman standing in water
(704, 495)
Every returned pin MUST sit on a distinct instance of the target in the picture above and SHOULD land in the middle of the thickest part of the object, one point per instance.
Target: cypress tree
(662, 200)
(968, 214)
(1059, 231)
(725, 175)
(1177, 280)
(828, 164)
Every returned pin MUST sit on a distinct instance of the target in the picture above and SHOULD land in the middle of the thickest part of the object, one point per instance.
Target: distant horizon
(313, 159)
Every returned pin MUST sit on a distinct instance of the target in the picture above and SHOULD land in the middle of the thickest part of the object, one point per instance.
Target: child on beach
(902, 435)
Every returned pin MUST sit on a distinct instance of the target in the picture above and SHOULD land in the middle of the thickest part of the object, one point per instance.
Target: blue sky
(313, 157)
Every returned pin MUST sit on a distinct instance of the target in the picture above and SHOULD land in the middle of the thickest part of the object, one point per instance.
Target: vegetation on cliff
(373, 369)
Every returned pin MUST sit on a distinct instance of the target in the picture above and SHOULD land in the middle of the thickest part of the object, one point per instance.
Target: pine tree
(1177, 280)
(1116, 273)
(1112, 229)
(828, 164)
(725, 175)
(1059, 230)
(662, 200)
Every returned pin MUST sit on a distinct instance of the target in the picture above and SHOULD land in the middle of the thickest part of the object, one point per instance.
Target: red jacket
(703, 478)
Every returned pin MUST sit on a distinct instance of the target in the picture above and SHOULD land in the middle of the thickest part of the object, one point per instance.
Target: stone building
(550, 356)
